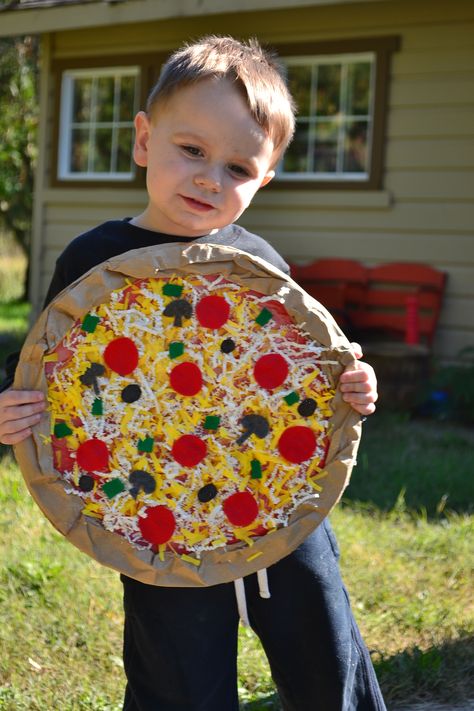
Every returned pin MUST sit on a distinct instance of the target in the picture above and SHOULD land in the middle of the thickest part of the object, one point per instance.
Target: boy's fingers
(20, 397)
(19, 410)
(357, 348)
(357, 387)
(363, 404)
(365, 409)
(15, 438)
(353, 377)
(16, 412)
(359, 398)
(11, 427)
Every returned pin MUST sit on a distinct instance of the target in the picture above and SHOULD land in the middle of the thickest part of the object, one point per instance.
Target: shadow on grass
(441, 674)
(9, 344)
(427, 461)
(265, 703)
(5, 451)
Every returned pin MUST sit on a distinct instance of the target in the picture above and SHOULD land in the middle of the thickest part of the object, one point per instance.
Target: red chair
(403, 302)
(339, 284)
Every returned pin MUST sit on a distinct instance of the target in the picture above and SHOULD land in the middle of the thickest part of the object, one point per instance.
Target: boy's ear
(269, 176)
(142, 134)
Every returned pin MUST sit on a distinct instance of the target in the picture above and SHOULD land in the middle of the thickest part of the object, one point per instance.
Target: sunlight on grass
(14, 317)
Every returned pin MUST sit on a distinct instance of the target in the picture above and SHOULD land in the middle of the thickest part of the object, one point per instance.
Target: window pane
(127, 98)
(296, 156)
(124, 150)
(299, 82)
(335, 101)
(105, 98)
(355, 148)
(102, 150)
(328, 90)
(81, 108)
(325, 147)
(79, 150)
(358, 88)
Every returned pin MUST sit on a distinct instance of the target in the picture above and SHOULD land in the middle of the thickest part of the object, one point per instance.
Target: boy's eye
(192, 150)
(239, 171)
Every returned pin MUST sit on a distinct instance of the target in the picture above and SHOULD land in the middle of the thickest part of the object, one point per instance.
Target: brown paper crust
(64, 510)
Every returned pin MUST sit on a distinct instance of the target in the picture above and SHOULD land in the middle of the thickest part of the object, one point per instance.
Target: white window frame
(66, 123)
(345, 59)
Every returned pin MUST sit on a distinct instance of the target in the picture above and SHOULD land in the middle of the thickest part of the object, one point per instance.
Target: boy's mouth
(197, 204)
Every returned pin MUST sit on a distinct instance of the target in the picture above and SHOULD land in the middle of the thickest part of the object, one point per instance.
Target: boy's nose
(209, 180)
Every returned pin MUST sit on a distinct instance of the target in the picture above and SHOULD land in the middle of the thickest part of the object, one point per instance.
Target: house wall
(425, 211)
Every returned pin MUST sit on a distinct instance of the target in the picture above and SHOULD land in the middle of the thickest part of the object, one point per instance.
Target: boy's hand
(19, 410)
(359, 385)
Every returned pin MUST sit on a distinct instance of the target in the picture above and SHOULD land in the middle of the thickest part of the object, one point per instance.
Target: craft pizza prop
(195, 430)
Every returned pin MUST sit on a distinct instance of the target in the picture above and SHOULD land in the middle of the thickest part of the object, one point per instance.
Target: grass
(409, 573)
(430, 463)
(13, 266)
(13, 325)
(13, 312)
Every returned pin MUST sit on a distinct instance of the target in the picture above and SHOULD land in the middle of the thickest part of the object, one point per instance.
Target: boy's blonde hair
(255, 71)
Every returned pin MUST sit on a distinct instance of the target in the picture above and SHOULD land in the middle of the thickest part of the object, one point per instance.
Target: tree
(18, 128)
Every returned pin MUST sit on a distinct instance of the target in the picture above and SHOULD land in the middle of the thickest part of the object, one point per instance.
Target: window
(341, 91)
(334, 95)
(96, 124)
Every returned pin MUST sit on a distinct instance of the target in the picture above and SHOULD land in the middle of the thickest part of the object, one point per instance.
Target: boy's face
(206, 157)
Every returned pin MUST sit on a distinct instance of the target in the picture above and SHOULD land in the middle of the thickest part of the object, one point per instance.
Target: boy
(216, 124)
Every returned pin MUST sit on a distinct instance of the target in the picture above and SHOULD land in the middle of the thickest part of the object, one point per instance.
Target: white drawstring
(240, 594)
(241, 601)
(263, 583)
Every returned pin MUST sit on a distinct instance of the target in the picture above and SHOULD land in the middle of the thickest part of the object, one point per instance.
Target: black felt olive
(228, 345)
(131, 393)
(207, 493)
(86, 482)
(307, 407)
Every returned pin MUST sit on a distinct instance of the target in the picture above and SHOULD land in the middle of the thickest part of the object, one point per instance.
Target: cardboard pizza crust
(64, 510)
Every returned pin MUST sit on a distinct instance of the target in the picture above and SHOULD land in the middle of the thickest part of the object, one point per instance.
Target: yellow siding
(425, 212)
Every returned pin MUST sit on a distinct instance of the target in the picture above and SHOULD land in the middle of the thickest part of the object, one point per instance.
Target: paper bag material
(64, 510)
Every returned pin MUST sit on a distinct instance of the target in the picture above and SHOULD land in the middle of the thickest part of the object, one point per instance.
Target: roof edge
(99, 13)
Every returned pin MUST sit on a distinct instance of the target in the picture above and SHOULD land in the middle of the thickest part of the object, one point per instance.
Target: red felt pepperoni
(189, 450)
(93, 456)
(158, 524)
(241, 508)
(212, 311)
(121, 355)
(270, 371)
(186, 379)
(297, 444)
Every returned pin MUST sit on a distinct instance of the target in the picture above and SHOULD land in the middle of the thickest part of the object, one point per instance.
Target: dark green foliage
(18, 124)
